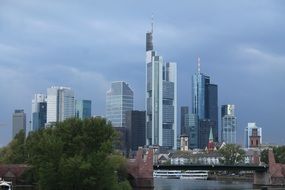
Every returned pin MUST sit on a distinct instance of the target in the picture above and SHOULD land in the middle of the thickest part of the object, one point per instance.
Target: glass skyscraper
(83, 109)
(39, 112)
(60, 104)
(229, 124)
(119, 100)
(161, 99)
(205, 105)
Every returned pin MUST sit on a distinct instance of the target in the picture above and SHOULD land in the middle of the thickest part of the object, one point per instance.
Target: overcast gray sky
(88, 44)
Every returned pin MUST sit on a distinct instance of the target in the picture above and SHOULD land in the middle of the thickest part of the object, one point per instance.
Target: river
(186, 184)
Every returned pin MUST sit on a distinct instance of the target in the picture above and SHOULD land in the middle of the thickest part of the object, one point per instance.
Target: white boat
(178, 174)
(5, 185)
(194, 174)
(167, 174)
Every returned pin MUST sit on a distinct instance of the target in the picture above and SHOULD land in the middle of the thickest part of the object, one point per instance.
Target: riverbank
(230, 177)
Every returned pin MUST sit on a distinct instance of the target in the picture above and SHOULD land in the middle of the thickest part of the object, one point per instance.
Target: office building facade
(205, 103)
(161, 99)
(229, 124)
(60, 104)
(18, 122)
(184, 110)
(119, 100)
(192, 129)
(83, 109)
(135, 123)
(39, 112)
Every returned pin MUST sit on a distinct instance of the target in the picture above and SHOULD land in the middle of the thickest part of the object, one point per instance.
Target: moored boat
(5, 185)
(178, 174)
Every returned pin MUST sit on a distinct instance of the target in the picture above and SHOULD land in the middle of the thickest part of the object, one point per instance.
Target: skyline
(51, 43)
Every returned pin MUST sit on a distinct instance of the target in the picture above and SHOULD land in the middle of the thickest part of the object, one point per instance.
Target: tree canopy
(74, 154)
(232, 154)
(279, 154)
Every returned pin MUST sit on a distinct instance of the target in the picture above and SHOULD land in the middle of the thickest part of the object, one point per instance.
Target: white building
(229, 124)
(60, 104)
(248, 133)
(119, 100)
(161, 99)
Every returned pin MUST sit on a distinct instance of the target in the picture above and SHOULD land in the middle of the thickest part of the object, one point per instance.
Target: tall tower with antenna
(161, 98)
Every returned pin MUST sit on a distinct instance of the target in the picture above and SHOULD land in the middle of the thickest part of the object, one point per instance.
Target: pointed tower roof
(211, 139)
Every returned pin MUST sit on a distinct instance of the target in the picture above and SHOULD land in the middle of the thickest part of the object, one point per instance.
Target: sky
(88, 44)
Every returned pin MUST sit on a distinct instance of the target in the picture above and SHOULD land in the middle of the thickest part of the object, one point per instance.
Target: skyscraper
(39, 112)
(60, 104)
(192, 129)
(229, 124)
(83, 109)
(205, 104)
(184, 110)
(161, 99)
(248, 132)
(135, 122)
(19, 122)
(119, 100)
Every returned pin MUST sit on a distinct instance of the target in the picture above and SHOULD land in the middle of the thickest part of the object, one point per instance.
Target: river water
(186, 184)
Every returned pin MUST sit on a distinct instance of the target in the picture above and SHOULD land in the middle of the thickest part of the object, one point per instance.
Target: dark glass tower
(135, 123)
(184, 111)
(205, 106)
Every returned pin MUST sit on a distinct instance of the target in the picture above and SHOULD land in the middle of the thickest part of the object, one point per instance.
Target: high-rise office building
(184, 110)
(60, 104)
(192, 130)
(248, 132)
(19, 122)
(205, 126)
(205, 102)
(119, 100)
(39, 112)
(229, 124)
(83, 109)
(161, 99)
(135, 122)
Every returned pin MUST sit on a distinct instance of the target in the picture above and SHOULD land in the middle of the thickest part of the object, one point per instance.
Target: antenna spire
(199, 65)
(152, 23)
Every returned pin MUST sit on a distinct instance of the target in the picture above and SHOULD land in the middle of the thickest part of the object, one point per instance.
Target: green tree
(77, 155)
(279, 154)
(15, 151)
(232, 154)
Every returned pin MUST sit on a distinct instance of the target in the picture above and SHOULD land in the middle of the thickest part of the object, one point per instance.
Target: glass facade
(205, 102)
(60, 104)
(39, 112)
(161, 99)
(119, 100)
(83, 109)
(229, 124)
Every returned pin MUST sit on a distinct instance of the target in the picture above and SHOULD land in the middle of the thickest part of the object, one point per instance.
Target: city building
(191, 122)
(205, 126)
(229, 124)
(184, 110)
(39, 112)
(19, 122)
(184, 142)
(135, 123)
(205, 102)
(161, 99)
(119, 100)
(252, 130)
(83, 109)
(60, 104)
